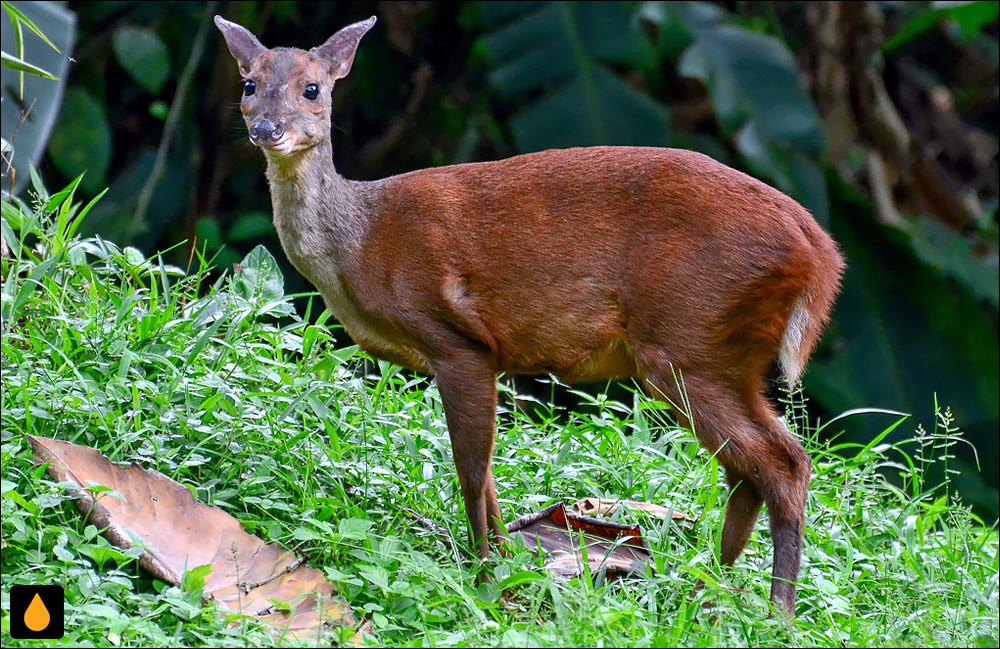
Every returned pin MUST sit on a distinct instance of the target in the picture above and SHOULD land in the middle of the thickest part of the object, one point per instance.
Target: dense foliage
(879, 117)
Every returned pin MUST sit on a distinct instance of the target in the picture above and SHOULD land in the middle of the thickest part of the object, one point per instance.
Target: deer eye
(249, 87)
(311, 91)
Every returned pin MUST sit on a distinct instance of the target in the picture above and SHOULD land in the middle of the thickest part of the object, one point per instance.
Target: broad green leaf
(259, 280)
(678, 23)
(752, 76)
(354, 528)
(554, 57)
(143, 55)
(520, 578)
(133, 256)
(562, 39)
(602, 110)
(81, 140)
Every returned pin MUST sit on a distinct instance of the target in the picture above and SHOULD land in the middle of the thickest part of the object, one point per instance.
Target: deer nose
(265, 130)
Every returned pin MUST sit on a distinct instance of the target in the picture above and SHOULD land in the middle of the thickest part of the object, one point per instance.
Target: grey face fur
(287, 91)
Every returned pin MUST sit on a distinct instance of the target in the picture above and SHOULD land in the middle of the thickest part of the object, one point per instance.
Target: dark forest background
(880, 117)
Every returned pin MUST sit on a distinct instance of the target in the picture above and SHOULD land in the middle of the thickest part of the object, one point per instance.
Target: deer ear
(339, 49)
(242, 44)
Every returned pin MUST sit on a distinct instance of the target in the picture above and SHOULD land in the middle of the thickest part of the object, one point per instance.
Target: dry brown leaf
(618, 549)
(179, 533)
(601, 507)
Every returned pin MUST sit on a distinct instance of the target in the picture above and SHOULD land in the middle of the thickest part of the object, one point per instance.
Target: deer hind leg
(493, 513)
(467, 383)
(741, 515)
(784, 484)
(764, 463)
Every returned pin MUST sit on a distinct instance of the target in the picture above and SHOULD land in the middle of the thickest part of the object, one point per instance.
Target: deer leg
(493, 513)
(467, 383)
(784, 484)
(770, 466)
(741, 515)
(763, 462)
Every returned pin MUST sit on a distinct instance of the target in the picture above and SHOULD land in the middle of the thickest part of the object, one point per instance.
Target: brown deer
(587, 263)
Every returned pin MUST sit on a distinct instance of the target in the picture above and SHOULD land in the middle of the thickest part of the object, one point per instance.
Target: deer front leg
(467, 382)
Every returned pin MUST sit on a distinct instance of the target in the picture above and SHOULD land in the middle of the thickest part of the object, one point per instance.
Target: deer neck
(320, 216)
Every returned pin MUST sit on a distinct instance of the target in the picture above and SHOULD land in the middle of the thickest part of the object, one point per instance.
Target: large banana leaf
(556, 62)
(904, 337)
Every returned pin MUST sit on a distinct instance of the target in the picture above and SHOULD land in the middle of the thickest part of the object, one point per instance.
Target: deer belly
(614, 360)
(591, 350)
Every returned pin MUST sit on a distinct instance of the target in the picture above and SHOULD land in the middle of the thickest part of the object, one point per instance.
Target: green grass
(223, 388)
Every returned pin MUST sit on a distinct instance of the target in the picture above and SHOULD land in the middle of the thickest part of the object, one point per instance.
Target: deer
(660, 265)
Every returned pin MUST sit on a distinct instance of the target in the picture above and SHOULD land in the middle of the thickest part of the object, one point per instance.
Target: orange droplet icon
(37, 616)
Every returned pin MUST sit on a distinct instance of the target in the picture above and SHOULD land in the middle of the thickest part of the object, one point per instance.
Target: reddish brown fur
(592, 263)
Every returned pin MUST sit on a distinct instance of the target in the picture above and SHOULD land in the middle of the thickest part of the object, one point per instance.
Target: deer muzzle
(265, 132)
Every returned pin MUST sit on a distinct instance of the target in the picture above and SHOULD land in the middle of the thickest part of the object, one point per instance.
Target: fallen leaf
(615, 548)
(601, 507)
(178, 533)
